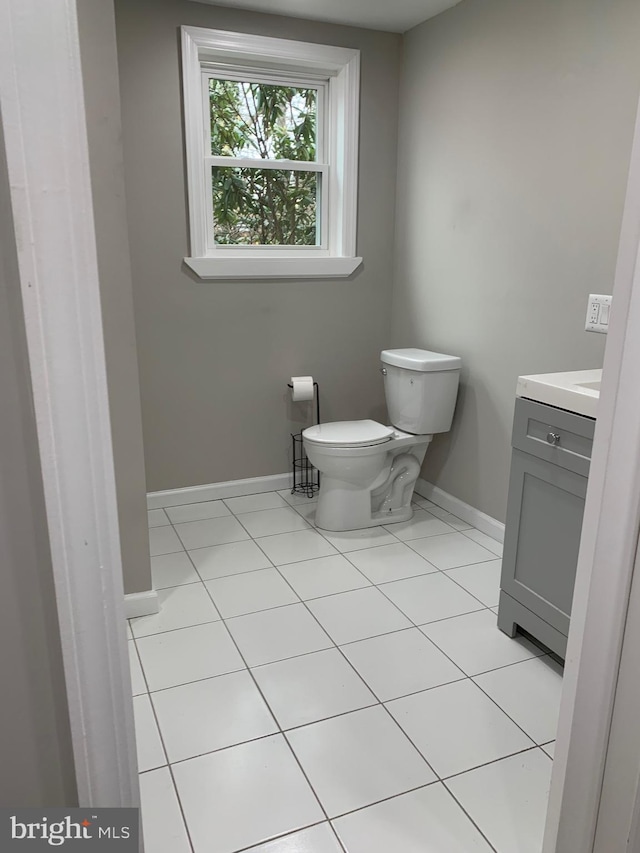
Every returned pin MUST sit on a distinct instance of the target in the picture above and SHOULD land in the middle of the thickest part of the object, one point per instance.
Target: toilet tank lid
(420, 359)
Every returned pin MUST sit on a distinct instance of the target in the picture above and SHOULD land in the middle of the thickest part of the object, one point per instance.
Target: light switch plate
(598, 312)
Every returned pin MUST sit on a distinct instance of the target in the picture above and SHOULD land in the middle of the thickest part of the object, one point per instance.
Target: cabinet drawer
(559, 437)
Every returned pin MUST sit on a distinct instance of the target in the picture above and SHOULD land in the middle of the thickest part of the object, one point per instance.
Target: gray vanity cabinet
(547, 487)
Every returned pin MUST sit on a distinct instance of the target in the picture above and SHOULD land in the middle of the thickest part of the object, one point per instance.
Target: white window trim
(319, 166)
(341, 67)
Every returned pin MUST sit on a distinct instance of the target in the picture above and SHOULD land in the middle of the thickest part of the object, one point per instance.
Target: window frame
(336, 70)
(318, 166)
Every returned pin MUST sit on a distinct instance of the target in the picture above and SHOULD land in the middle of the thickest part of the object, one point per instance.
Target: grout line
(233, 574)
(453, 662)
(497, 668)
(433, 769)
(181, 807)
(228, 746)
(164, 749)
(411, 791)
(170, 586)
(285, 505)
(173, 630)
(434, 571)
(162, 738)
(408, 542)
(491, 558)
(457, 801)
(264, 698)
(436, 781)
(337, 837)
(386, 800)
(275, 719)
(497, 541)
(237, 518)
(377, 703)
(404, 793)
(167, 553)
(352, 643)
(152, 769)
(279, 533)
(194, 565)
(254, 612)
(531, 748)
(164, 515)
(238, 574)
(139, 659)
(457, 583)
(204, 547)
(419, 626)
(427, 574)
(469, 677)
(380, 703)
(284, 836)
(196, 681)
(369, 704)
(515, 722)
(264, 509)
(366, 585)
(336, 646)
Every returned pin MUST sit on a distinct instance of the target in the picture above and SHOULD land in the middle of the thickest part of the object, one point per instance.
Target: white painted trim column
(605, 564)
(42, 104)
(619, 813)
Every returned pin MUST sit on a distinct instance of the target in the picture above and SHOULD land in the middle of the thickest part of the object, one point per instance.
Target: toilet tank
(421, 389)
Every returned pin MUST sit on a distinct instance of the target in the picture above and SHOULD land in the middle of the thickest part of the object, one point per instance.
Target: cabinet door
(542, 537)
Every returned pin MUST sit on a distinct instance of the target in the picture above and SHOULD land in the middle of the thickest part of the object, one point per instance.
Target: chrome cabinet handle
(553, 438)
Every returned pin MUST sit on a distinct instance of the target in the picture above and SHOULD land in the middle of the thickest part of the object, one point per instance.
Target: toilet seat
(364, 433)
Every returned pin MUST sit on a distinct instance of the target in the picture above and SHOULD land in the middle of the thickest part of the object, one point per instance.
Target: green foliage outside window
(253, 206)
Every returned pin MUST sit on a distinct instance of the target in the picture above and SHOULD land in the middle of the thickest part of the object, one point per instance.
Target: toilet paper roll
(302, 388)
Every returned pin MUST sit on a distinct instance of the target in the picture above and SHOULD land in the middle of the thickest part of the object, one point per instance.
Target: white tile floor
(311, 692)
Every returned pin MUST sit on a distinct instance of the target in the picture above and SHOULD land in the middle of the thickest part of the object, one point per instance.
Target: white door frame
(51, 197)
(42, 103)
(618, 816)
(605, 567)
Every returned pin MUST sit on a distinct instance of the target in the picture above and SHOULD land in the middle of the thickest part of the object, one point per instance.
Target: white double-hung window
(271, 130)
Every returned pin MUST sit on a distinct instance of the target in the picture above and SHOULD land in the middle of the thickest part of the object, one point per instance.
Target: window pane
(264, 207)
(262, 121)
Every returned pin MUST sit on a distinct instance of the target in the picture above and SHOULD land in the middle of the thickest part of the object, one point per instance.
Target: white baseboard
(216, 491)
(483, 522)
(141, 604)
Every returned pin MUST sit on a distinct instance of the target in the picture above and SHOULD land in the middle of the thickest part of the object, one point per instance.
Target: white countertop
(576, 391)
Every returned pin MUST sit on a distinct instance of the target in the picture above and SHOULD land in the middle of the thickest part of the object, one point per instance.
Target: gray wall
(515, 133)
(35, 741)
(102, 98)
(215, 358)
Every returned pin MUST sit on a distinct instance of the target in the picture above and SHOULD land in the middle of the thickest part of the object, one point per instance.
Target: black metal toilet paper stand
(306, 478)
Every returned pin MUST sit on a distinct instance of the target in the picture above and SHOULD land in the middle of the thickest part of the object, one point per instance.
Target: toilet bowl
(368, 469)
(365, 484)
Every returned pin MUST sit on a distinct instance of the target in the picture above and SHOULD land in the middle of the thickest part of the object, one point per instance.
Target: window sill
(232, 268)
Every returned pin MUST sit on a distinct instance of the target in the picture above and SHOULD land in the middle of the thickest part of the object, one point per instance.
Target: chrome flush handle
(553, 438)
(383, 371)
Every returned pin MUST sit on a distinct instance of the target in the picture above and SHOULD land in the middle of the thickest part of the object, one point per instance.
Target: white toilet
(368, 469)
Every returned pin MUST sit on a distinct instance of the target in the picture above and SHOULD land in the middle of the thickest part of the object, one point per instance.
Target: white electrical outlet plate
(598, 311)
